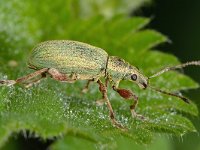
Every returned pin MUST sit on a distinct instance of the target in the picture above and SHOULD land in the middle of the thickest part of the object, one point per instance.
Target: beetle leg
(127, 94)
(32, 82)
(25, 78)
(56, 75)
(85, 89)
(103, 90)
(103, 100)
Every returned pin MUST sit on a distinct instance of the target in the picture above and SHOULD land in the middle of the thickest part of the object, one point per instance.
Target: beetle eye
(134, 77)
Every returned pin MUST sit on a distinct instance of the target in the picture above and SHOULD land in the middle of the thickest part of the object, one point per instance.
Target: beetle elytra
(69, 61)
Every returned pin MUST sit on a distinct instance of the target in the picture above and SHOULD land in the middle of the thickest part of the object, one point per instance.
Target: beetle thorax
(117, 67)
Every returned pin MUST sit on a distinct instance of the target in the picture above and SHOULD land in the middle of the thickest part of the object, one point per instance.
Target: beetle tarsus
(7, 82)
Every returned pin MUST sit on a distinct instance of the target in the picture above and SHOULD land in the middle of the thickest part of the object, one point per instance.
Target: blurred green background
(180, 21)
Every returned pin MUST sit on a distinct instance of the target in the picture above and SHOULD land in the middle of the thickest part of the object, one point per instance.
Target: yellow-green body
(80, 61)
(70, 58)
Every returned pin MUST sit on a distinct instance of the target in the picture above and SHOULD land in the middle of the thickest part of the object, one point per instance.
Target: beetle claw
(138, 116)
(118, 125)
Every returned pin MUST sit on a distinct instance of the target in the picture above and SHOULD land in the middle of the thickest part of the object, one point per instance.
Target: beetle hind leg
(26, 80)
(56, 75)
(35, 81)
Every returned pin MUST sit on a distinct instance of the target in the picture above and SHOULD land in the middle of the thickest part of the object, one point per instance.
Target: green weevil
(69, 61)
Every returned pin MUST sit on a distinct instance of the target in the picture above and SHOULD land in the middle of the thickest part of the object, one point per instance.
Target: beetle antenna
(192, 63)
(171, 94)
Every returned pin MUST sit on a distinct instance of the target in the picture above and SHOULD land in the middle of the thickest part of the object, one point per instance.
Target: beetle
(69, 61)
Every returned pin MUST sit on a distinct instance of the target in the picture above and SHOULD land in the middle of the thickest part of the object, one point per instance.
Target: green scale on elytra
(68, 61)
(70, 57)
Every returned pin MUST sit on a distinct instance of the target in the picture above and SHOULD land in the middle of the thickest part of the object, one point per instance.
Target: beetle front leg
(103, 90)
(127, 94)
(25, 78)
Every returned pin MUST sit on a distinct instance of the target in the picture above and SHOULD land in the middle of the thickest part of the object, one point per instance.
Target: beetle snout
(144, 85)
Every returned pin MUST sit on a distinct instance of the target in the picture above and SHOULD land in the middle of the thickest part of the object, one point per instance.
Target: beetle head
(136, 76)
(133, 74)
(121, 70)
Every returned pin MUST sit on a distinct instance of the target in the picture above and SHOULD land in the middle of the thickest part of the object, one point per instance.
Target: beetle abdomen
(69, 57)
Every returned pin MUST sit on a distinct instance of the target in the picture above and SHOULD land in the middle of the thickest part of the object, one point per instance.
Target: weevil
(69, 61)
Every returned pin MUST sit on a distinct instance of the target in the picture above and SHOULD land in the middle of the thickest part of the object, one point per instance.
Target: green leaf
(73, 143)
(53, 109)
